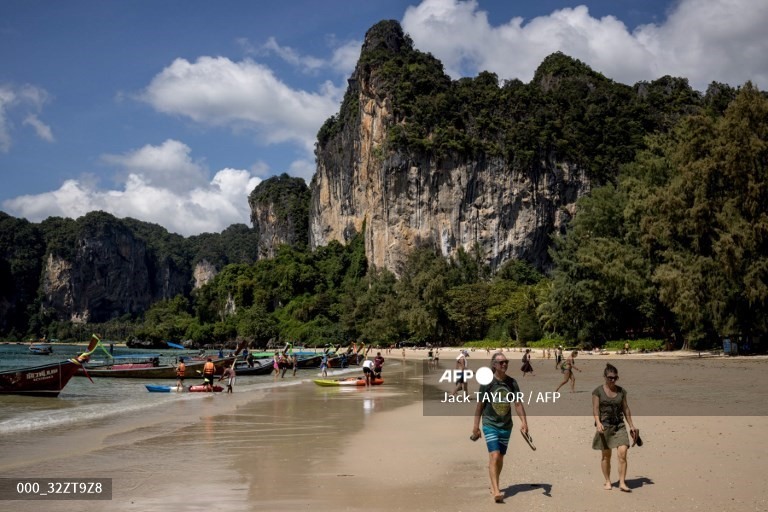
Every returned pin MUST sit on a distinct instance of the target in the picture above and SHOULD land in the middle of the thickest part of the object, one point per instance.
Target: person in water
(378, 363)
(181, 371)
(229, 374)
(209, 370)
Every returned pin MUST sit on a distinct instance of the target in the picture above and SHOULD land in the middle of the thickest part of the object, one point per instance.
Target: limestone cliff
(203, 273)
(107, 272)
(476, 200)
(280, 213)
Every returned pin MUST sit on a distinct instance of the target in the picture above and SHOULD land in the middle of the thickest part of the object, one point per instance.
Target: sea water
(84, 401)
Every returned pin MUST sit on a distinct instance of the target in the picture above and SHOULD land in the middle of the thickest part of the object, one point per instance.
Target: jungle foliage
(671, 244)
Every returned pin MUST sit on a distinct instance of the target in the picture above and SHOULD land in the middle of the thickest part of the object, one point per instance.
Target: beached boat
(42, 349)
(260, 367)
(350, 381)
(44, 380)
(198, 388)
(168, 371)
(124, 362)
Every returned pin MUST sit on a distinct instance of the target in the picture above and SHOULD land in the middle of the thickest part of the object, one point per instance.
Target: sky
(172, 111)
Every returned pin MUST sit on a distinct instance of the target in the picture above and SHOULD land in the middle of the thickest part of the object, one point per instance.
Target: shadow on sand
(512, 490)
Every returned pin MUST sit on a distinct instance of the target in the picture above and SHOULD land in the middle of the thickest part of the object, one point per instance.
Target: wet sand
(302, 447)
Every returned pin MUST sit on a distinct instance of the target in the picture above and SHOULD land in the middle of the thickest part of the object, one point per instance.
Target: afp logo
(483, 375)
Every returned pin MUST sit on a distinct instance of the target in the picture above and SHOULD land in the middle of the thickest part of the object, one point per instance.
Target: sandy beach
(302, 447)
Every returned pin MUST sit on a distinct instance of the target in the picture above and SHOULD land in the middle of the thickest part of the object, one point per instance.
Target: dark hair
(609, 368)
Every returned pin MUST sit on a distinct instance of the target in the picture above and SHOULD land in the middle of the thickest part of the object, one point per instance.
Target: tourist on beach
(294, 363)
(276, 364)
(368, 372)
(495, 409)
(324, 365)
(378, 362)
(558, 356)
(283, 364)
(181, 371)
(461, 381)
(611, 411)
(527, 367)
(209, 369)
(567, 368)
(229, 374)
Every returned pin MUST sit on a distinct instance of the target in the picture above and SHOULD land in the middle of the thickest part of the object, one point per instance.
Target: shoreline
(329, 449)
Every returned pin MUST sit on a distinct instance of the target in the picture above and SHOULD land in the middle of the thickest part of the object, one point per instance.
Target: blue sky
(172, 111)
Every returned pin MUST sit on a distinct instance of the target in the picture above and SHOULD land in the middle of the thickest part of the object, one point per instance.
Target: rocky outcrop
(108, 273)
(203, 273)
(280, 213)
(407, 198)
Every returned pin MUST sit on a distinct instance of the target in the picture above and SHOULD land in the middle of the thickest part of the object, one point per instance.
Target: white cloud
(306, 62)
(43, 130)
(28, 98)
(188, 206)
(302, 169)
(220, 92)
(342, 61)
(702, 40)
(345, 57)
(166, 166)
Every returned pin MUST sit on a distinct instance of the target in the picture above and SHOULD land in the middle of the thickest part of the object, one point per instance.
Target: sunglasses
(503, 362)
(613, 378)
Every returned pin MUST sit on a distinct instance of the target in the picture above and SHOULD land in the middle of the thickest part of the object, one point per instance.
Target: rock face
(108, 273)
(280, 213)
(402, 199)
(203, 273)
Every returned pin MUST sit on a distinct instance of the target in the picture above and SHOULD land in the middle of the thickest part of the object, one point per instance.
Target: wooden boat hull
(262, 367)
(45, 380)
(309, 362)
(351, 381)
(159, 372)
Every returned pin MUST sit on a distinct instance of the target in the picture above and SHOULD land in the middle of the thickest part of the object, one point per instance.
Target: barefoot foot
(607, 486)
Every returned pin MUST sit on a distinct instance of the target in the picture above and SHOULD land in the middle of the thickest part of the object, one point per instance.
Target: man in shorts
(494, 406)
(368, 372)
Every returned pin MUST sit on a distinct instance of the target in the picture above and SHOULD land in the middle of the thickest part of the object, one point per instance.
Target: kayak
(350, 381)
(168, 389)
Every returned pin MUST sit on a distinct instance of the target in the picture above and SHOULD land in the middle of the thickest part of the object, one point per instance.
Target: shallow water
(150, 443)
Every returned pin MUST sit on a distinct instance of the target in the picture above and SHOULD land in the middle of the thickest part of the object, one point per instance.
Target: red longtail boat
(44, 380)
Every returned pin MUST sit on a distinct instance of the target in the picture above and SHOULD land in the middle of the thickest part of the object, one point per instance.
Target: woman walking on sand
(610, 409)
(527, 368)
(567, 368)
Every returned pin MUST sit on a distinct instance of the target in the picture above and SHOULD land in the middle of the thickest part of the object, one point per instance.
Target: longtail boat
(167, 371)
(44, 380)
(41, 349)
